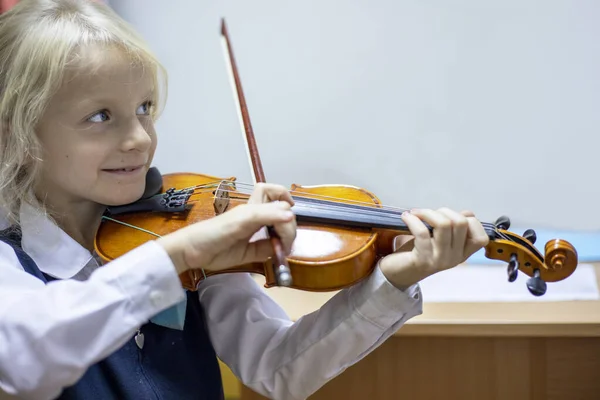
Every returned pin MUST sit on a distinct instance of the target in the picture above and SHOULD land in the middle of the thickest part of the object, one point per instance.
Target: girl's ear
(153, 183)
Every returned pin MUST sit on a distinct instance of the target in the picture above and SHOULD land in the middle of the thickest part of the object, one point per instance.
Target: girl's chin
(121, 198)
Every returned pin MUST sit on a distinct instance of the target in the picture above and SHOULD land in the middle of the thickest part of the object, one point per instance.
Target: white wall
(491, 106)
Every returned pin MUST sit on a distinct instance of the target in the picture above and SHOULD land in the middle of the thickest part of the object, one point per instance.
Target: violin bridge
(221, 199)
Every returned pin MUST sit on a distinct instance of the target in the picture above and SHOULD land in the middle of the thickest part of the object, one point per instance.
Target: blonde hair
(39, 39)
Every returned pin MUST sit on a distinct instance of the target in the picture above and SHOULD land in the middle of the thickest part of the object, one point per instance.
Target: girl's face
(97, 134)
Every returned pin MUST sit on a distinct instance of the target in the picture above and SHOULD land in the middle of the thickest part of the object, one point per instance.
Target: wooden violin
(342, 230)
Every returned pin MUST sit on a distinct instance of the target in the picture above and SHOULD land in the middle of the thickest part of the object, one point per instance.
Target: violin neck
(355, 216)
(347, 217)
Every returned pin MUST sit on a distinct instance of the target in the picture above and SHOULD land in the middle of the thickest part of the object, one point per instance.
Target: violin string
(325, 197)
(372, 206)
(300, 202)
(369, 208)
(328, 207)
(249, 187)
(372, 210)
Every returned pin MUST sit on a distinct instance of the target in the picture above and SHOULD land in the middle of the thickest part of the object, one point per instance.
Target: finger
(287, 234)
(259, 194)
(442, 227)
(245, 220)
(258, 251)
(476, 237)
(467, 213)
(267, 192)
(460, 228)
(420, 232)
(477, 233)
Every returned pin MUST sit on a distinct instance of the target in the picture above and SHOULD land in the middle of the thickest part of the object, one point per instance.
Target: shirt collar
(53, 250)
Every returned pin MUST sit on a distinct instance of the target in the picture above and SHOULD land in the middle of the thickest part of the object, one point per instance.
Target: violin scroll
(558, 262)
(561, 254)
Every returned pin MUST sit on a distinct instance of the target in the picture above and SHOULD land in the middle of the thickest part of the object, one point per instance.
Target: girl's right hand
(224, 241)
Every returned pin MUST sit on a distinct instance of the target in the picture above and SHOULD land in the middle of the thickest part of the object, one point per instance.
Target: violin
(342, 230)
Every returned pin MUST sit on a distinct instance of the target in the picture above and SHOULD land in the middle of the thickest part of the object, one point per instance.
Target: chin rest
(153, 183)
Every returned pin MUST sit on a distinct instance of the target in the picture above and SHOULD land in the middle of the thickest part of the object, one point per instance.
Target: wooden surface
(479, 351)
(579, 318)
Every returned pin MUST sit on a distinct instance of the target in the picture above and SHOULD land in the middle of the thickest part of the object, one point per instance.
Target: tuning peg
(535, 284)
(503, 222)
(530, 235)
(513, 268)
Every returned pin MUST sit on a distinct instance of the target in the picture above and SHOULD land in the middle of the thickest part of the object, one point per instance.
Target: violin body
(324, 257)
(342, 231)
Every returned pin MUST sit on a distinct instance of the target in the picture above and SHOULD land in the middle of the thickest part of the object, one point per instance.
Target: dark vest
(172, 364)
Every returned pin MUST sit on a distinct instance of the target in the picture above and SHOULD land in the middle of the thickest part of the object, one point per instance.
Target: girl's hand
(456, 236)
(224, 241)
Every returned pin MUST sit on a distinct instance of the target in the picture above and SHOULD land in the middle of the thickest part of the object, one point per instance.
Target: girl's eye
(145, 108)
(99, 117)
(102, 116)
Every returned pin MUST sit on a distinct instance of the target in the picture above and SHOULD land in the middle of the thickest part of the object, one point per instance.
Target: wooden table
(478, 351)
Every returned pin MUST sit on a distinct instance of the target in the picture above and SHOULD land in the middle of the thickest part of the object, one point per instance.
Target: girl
(79, 94)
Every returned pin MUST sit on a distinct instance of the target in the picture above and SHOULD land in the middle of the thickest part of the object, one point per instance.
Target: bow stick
(281, 267)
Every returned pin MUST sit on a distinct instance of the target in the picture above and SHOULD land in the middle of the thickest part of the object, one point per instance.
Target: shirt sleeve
(50, 334)
(289, 360)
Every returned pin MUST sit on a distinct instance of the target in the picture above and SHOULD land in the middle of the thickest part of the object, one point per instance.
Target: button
(156, 298)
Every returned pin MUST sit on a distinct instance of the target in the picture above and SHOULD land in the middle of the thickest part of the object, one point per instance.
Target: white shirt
(50, 334)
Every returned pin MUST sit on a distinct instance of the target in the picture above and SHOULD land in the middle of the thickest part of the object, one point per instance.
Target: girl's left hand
(456, 236)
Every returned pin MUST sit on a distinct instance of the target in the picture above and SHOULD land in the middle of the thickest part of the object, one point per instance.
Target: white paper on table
(489, 283)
